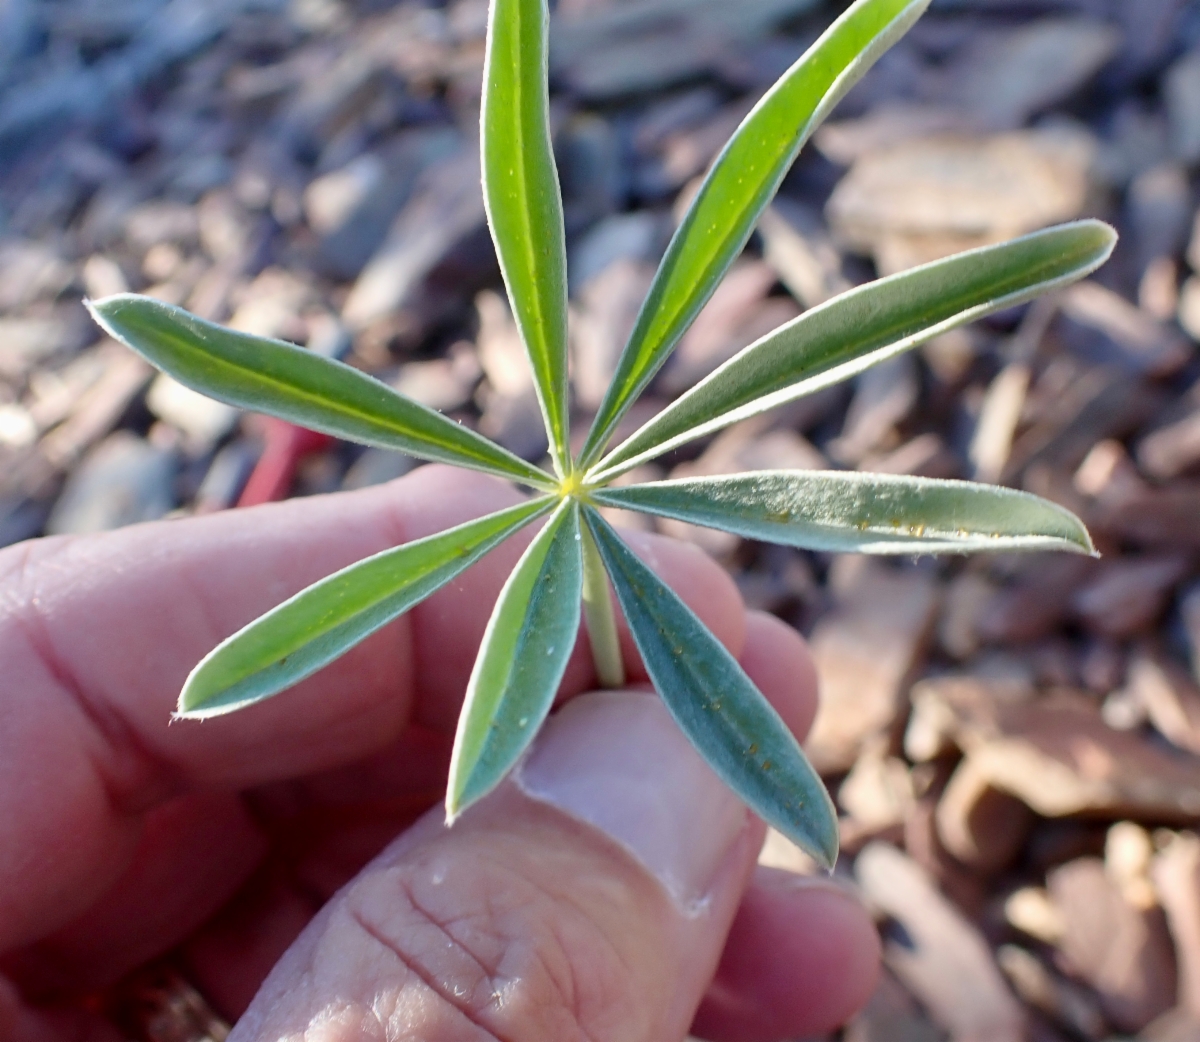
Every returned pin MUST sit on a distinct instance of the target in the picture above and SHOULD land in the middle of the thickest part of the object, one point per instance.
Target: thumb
(588, 899)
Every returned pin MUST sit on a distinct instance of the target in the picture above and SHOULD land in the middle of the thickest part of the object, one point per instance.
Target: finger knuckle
(503, 950)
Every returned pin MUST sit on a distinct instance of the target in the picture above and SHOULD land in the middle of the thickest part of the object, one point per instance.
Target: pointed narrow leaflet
(865, 326)
(327, 619)
(742, 182)
(297, 385)
(846, 511)
(523, 201)
(717, 706)
(521, 661)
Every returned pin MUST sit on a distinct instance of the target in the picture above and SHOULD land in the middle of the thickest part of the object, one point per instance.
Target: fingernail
(617, 760)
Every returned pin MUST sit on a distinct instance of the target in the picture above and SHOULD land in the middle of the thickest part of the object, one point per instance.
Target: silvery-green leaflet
(565, 573)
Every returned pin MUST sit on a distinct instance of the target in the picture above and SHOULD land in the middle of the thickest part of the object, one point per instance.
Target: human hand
(606, 892)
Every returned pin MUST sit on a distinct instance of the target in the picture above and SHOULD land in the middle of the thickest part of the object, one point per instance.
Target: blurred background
(1014, 743)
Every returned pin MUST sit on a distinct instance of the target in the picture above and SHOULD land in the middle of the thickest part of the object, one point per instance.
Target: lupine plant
(565, 573)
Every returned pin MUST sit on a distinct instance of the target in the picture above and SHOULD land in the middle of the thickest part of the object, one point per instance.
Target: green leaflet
(720, 710)
(845, 511)
(742, 181)
(521, 661)
(296, 385)
(321, 623)
(523, 202)
(866, 326)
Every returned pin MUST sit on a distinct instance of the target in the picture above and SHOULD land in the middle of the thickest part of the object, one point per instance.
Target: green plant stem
(601, 620)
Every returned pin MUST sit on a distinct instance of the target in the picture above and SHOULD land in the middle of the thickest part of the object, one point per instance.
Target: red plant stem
(285, 445)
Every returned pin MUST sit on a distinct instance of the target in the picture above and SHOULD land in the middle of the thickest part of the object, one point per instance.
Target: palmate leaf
(327, 619)
(717, 706)
(521, 661)
(865, 326)
(523, 202)
(740, 184)
(297, 385)
(844, 511)
(535, 622)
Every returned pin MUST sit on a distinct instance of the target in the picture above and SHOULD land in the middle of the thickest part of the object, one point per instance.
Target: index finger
(98, 633)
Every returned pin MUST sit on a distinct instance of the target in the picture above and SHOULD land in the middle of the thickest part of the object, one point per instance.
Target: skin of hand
(608, 891)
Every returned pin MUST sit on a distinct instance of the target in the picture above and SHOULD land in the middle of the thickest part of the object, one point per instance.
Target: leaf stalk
(600, 617)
